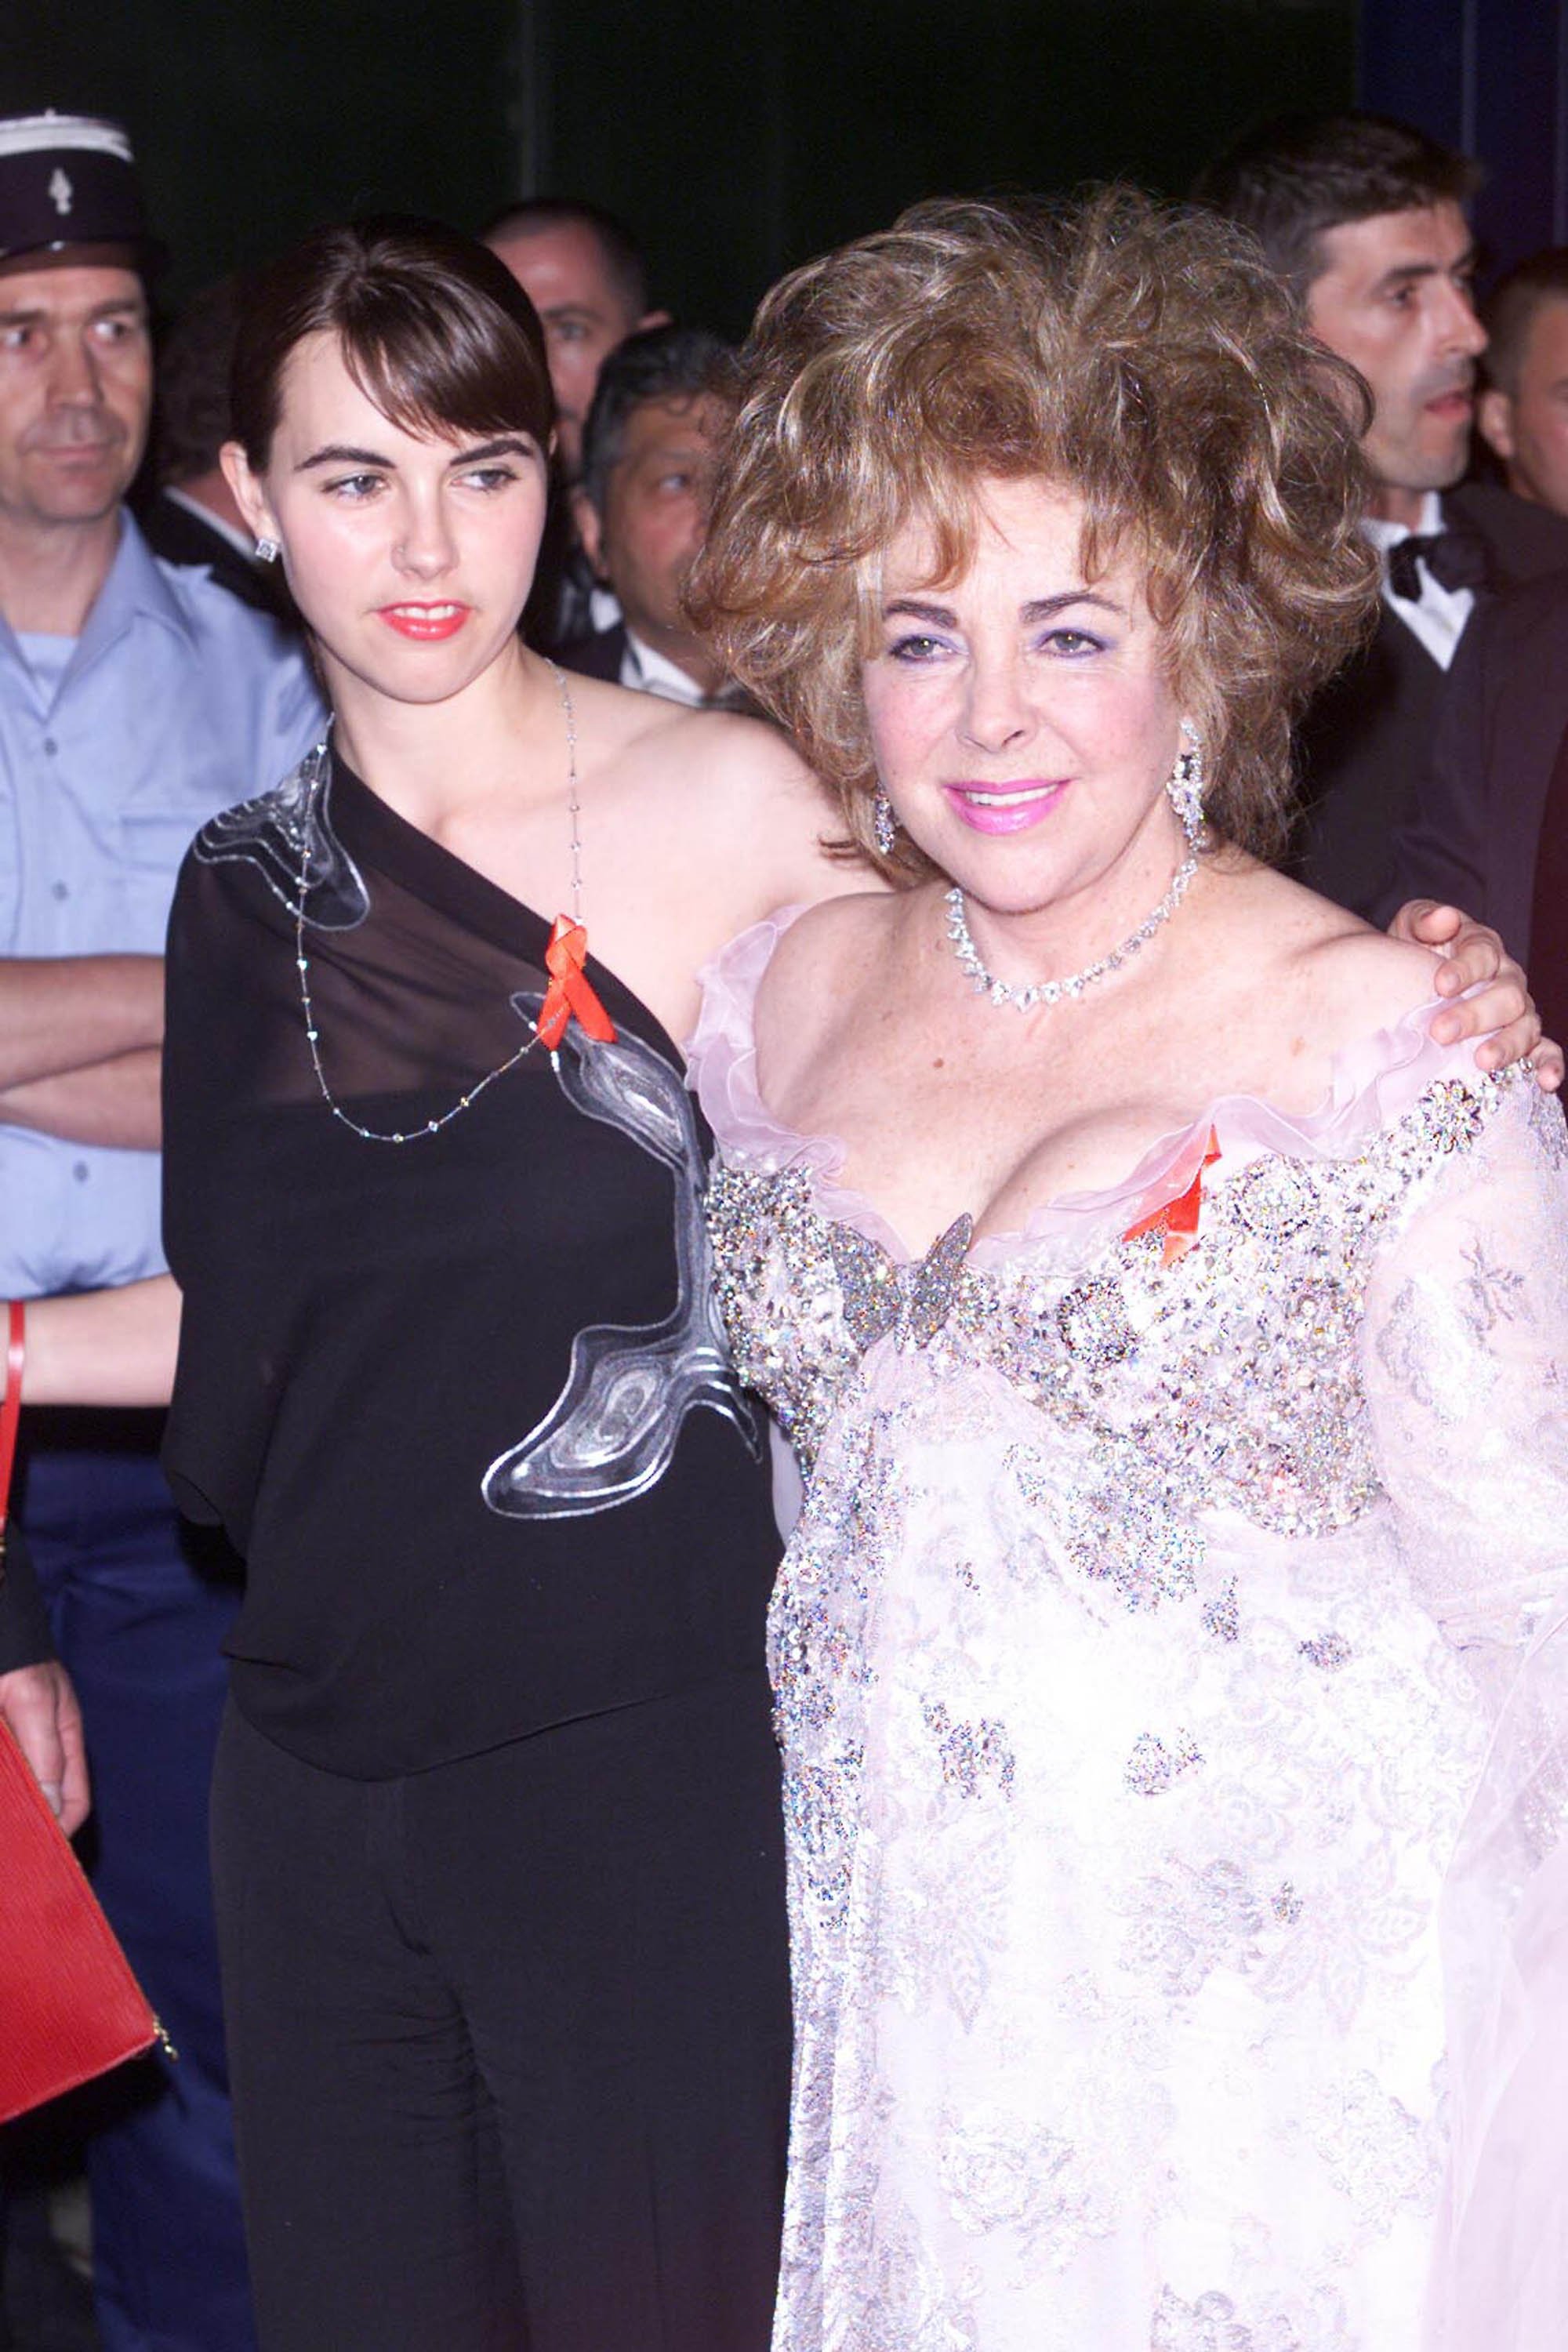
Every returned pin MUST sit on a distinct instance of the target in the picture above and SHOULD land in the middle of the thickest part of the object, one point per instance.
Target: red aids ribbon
(568, 991)
(1178, 1219)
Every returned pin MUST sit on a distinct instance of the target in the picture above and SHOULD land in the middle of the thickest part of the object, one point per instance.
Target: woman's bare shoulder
(666, 741)
(855, 924)
(834, 950)
(742, 786)
(1327, 967)
(817, 970)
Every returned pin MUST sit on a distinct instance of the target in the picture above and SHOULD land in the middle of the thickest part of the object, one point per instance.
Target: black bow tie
(1456, 559)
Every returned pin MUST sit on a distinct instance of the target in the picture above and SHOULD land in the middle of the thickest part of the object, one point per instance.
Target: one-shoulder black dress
(496, 1816)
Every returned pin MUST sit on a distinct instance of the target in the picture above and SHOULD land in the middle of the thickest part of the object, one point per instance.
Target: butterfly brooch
(913, 1301)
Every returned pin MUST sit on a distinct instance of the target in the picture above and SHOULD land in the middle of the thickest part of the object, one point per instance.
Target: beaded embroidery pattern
(803, 1297)
(1071, 1452)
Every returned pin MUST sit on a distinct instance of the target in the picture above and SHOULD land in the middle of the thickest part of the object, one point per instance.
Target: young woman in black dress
(496, 1816)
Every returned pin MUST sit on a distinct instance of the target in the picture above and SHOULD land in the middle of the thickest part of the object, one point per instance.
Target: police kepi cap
(64, 180)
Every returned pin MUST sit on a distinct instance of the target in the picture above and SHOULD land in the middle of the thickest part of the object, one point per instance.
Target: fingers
(1547, 1063)
(76, 1790)
(28, 1702)
(1515, 1041)
(1504, 1005)
(40, 1706)
(1475, 954)
(1427, 921)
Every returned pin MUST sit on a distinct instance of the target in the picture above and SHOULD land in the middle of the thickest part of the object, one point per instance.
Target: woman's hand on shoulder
(1471, 956)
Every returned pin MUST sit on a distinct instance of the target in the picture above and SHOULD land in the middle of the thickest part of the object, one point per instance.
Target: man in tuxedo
(1523, 411)
(1364, 216)
(642, 511)
(1490, 819)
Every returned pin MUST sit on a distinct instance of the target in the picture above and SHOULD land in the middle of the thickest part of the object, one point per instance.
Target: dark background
(739, 139)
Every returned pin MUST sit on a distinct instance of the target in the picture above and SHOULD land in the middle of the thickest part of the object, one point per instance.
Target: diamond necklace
(1051, 991)
(301, 962)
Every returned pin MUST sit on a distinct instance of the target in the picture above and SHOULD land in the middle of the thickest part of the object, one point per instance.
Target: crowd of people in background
(155, 670)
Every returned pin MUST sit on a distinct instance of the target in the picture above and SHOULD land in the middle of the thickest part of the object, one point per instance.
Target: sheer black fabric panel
(370, 1327)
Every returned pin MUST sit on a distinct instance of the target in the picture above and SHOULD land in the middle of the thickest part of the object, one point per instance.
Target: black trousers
(509, 2038)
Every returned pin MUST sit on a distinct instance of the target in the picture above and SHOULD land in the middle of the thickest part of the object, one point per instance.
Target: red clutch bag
(69, 2006)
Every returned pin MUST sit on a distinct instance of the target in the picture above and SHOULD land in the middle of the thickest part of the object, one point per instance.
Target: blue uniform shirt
(177, 701)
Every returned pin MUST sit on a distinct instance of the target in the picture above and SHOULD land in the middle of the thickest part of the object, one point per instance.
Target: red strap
(11, 1406)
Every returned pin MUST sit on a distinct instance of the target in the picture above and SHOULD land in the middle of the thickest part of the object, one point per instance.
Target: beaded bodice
(1162, 1572)
(1230, 1374)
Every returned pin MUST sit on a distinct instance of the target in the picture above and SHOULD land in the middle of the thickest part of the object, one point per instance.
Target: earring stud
(268, 551)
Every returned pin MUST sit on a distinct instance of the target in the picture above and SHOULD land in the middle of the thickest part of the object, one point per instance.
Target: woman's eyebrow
(1039, 608)
(337, 453)
(510, 446)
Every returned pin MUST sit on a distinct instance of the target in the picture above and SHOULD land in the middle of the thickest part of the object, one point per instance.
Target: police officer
(136, 697)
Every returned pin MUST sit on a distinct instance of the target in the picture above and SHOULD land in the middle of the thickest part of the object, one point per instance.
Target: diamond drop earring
(268, 551)
(1185, 786)
(884, 823)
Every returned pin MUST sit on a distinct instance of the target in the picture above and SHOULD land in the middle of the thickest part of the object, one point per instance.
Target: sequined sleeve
(1465, 1352)
(1464, 1367)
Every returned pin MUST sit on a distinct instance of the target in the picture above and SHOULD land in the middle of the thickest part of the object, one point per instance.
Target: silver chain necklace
(312, 1032)
(1051, 991)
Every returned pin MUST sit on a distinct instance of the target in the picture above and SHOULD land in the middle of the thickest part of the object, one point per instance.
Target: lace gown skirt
(1119, 2017)
(1171, 1675)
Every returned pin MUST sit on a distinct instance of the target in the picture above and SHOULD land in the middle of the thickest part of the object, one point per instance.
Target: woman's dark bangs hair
(434, 329)
(432, 364)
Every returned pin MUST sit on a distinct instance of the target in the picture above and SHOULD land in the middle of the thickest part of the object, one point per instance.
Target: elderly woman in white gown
(1174, 1335)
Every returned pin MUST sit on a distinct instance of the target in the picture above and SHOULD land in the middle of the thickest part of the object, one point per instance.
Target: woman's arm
(104, 1347)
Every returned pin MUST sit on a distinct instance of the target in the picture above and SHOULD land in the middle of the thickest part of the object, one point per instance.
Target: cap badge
(61, 192)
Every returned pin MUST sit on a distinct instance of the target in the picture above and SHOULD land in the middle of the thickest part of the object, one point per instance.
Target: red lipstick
(427, 623)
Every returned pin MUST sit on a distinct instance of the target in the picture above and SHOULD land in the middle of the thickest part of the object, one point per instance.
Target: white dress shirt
(648, 671)
(1438, 617)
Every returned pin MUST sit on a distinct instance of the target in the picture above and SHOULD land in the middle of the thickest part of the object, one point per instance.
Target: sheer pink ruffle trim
(1373, 1083)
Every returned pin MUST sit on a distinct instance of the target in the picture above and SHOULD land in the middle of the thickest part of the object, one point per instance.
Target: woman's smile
(426, 623)
(1005, 808)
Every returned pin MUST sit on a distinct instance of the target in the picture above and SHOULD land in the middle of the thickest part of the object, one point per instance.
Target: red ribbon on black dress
(569, 991)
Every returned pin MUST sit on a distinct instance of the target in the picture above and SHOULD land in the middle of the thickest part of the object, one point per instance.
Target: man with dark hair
(136, 699)
(641, 510)
(584, 273)
(1523, 411)
(192, 518)
(1364, 216)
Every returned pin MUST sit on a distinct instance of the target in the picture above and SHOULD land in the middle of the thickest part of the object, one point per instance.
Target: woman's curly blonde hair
(1142, 356)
